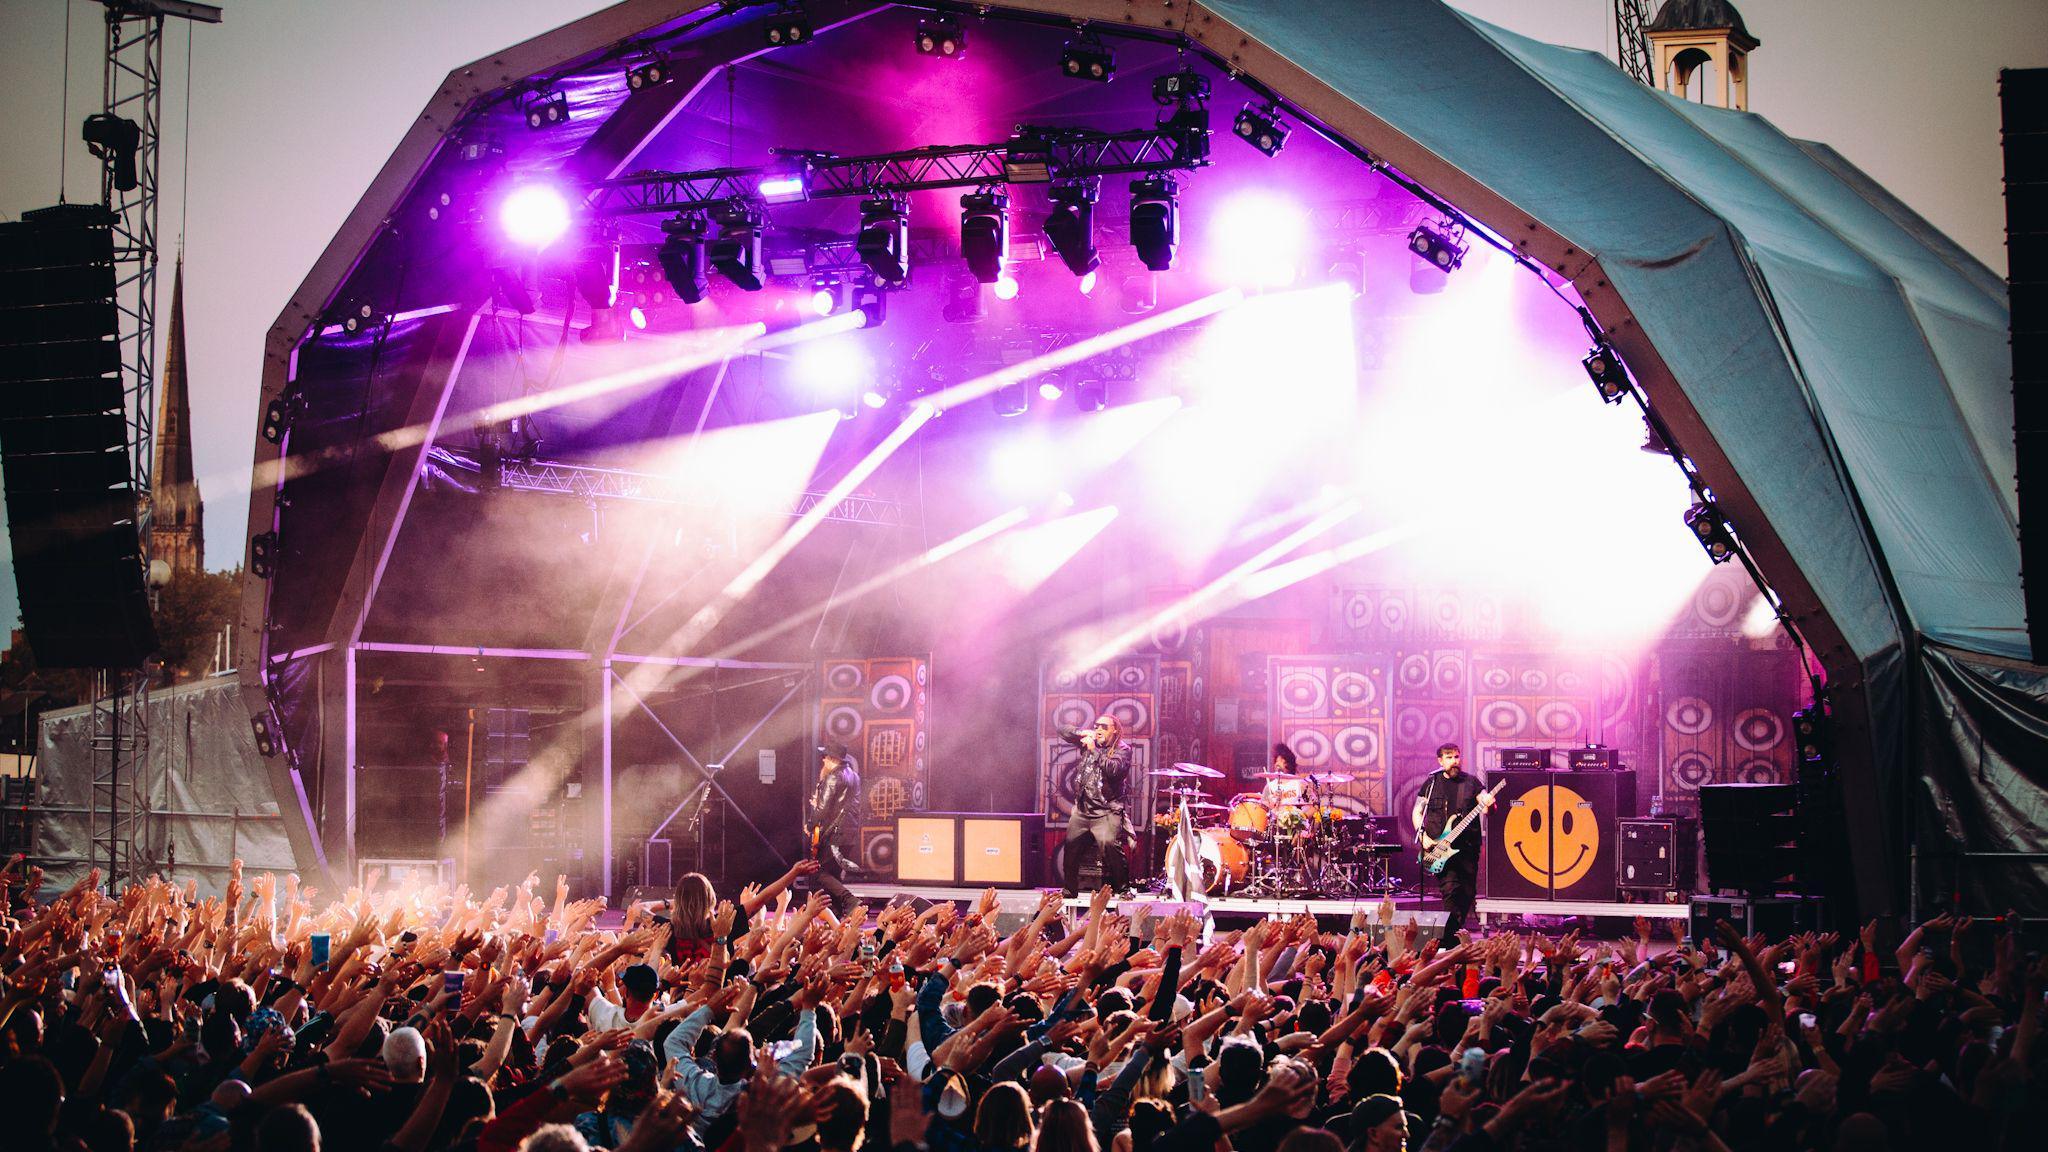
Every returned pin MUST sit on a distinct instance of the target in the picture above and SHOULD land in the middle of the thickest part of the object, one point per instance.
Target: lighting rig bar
(1034, 156)
(590, 483)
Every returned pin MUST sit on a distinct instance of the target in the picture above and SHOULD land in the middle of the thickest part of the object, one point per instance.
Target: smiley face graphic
(1550, 836)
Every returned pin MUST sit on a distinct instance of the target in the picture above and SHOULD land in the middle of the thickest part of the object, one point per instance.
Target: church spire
(177, 534)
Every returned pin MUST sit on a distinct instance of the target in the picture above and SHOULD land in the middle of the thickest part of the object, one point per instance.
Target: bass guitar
(1440, 850)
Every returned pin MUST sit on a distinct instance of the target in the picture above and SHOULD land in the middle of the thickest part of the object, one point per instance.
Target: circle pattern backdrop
(1134, 714)
(1357, 746)
(1411, 725)
(1718, 603)
(890, 694)
(1559, 719)
(1689, 715)
(1692, 768)
(844, 723)
(1353, 690)
(1073, 713)
(1413, 674)
(886, 797)
(879, 852)
(1311, 747)
(1448, 673)
(1756, 772)
(1302, 693)
(1759, 729)
(1502, 718)
(843, 678)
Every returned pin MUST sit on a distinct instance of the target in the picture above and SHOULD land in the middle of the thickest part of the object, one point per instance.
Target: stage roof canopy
(1836, 368)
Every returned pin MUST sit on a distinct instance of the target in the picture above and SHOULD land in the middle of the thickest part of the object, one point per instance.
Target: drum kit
(1289, 839)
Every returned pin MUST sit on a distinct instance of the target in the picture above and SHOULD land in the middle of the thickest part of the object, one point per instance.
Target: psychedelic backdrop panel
(880, 709)
(1725, 719)
(1126, 687)
(1333, 711)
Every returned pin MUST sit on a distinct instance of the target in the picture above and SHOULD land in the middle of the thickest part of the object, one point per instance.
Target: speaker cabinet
(1656, 855)
(928, 849)
(1553, 835)
(983, 849)
(1775, 916)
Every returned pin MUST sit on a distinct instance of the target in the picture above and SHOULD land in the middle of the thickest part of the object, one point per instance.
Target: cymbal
(1205, 806)
(1174, 772)
(1202, 770)
(1331, 777)
(1277, 776)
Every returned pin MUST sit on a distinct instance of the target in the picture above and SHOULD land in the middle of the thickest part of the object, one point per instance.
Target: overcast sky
(296, 103)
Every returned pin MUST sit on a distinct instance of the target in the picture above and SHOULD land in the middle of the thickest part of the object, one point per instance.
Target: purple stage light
(1006, 287)
(782, 189)
(1087, 284)
(534, 215)
(1051, 388)
(1258, 240)
(875, 398)
(823, 301)
(638, 317)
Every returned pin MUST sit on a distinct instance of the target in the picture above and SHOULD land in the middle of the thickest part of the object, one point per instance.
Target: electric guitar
(1440, 850)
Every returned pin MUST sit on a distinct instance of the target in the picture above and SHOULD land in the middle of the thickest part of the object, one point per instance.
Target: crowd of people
(418, 1018)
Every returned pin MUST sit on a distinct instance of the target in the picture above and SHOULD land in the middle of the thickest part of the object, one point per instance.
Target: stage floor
(1026, 899)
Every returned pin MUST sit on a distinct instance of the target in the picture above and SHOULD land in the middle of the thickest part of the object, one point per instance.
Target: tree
(191, 611)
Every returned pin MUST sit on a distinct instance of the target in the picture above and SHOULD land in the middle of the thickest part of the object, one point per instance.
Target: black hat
(834, 750)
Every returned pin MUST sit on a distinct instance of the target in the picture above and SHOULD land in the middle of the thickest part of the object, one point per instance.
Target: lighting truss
(1071, 154)
(590, 483)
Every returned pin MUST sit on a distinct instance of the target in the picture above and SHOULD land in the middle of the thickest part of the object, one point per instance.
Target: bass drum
(1224, 862)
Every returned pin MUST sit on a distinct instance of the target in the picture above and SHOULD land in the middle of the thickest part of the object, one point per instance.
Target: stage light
(1348, 269)
(884, 239)
(546, 109)
(873, 306)
(638, 317)
(1070, 227)
(1051, 387)
(1088, 59)
(1262, 128)
(985, 234)
(1091, 395)
(1011, 400)
(1155, 221)
(1810, 730)
(787, 28)
(941, 36)
(651, 74)
(1180, 87)
(1442, 246)
(510, 291)
(116, 140)
(596, 275)
(361, 317)
(1711, 530)
(875, 397)
(534, 215)
(1086, 283)
(1607, 373)
(784, 188)
(737, 251)
(1258, 239)
(1006, 287)
(824, 295)
(682, 257)
(1028, 159)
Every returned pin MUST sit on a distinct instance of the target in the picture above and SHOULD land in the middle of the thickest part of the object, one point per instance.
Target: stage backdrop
(880, 709)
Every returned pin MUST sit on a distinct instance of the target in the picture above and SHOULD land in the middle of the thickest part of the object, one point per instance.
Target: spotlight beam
(1196, 605)
(719, 344)
(968, 391)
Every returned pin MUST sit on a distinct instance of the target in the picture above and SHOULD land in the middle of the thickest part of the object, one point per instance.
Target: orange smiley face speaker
(1550, 836)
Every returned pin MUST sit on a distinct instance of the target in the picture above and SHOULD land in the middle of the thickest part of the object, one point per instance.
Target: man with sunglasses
(1098, 821)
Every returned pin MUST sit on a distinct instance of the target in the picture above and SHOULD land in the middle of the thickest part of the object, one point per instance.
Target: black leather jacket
(1101, 779)
(827, 812)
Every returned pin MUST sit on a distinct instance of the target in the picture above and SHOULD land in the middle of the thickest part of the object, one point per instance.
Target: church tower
(177, 531)
(1688, 34)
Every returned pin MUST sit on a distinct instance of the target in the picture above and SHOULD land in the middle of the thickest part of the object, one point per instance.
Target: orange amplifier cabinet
(979, 848)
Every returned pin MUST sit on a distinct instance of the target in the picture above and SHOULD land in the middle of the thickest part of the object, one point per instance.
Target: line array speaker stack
(71, 500)
(2023, 106)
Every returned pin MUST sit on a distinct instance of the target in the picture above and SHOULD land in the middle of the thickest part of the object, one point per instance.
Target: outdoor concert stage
(1228, 909)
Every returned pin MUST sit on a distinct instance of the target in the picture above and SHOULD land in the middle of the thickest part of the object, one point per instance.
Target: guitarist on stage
(828, 816)
(1448, 794)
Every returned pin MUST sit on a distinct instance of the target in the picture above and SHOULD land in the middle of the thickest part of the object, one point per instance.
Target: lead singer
(1100, 782)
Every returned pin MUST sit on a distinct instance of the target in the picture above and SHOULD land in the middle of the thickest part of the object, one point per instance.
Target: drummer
(1284, 785)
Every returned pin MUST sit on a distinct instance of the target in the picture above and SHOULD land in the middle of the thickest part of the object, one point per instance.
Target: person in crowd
(269, 1018)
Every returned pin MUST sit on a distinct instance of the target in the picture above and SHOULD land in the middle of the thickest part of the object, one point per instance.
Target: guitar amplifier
(1525, 759)
(997, 849)
(1656, 855)
(1552, 835)
(1595, 758)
